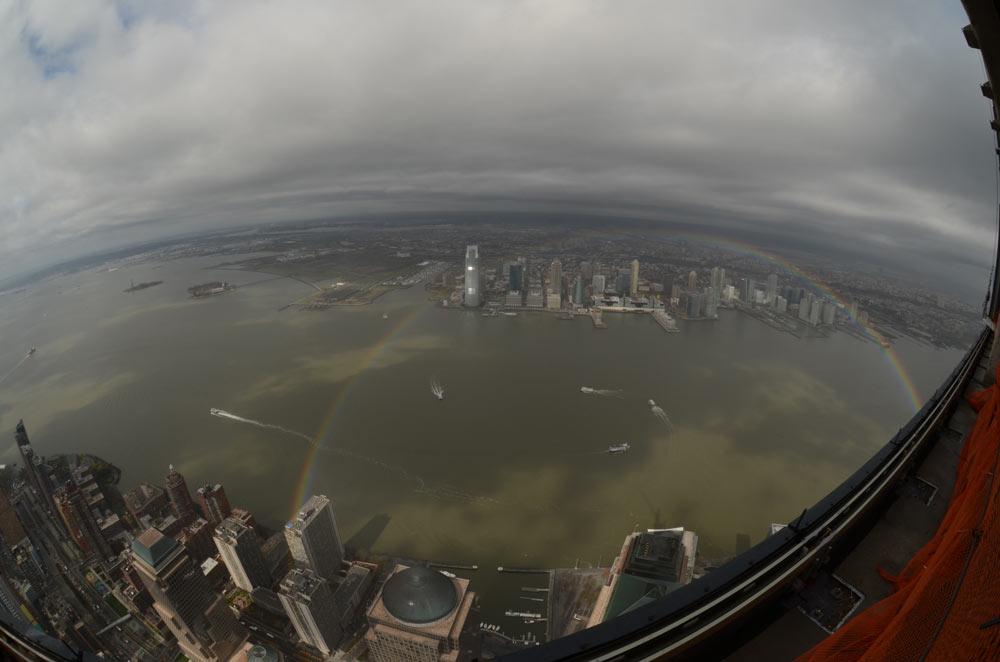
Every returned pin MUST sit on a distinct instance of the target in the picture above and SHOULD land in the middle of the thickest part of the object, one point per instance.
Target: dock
(597, 318)
(455, 566)
(534, 589)
(523, 570)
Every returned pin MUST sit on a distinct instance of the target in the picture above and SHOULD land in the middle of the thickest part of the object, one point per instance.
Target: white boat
(619, 448)
(652, 403)
(586, 389)
(214, 412)
(385, 316)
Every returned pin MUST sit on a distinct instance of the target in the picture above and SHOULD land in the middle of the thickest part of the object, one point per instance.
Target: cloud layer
(862, 122)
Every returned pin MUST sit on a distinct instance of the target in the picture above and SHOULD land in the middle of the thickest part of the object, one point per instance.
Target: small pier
(534, 589)
(455, 566)
(597, 318)
(524, 570)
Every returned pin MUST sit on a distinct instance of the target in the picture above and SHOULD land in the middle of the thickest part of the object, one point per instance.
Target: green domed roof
(419, 595)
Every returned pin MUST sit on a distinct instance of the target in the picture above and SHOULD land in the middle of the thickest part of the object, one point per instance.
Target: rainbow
(304, 484)
(305, 480)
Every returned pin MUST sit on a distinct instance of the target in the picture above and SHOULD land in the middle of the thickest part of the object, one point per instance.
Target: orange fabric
(940, 609)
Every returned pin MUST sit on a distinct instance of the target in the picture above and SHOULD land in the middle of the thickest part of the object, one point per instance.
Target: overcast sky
(858, 122)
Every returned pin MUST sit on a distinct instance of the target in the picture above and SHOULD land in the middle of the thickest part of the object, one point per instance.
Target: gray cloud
(862, 121)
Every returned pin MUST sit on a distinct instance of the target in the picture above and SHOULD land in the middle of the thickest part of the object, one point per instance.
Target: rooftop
(153, 548)
(419, 595)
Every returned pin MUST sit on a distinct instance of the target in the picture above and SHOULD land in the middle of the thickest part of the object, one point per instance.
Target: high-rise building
(10, 523)
(599, 283)
(634, 281)
(145, 500)
(214, 504)
(805, 304)
(816, 312)
(80, 521)
(240, 551)
(692, 281)
(553, 301)
(38, 480)
(515, 282)
(205, 627)
(309, 603)
(472, 276)
(314, 540)
(781, 304)
(829, 313)
(587, 270)
(420, 615)
(197, 539)
(712, 302)
(693, 304)
(555, 277)
(578, 291)
(772, 289)
(180, 497)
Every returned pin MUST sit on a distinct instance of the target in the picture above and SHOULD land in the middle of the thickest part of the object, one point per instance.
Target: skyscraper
(180, 497)
(200, 619)
(693, 304)
(692, 281)
(75, 512)
(712, 302)
(309, 603)
(472, 276)
(39, 482)
(420, 615)
(555, 277)
(599, 283)
(805, 305)
(634, 282)
(816, 312)
(240, 550)
(516, 278)
(772, 289)
(587, 270)
(314, 540)
(214, 504)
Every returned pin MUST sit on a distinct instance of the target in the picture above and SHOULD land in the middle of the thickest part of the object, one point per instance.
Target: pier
(524, 570)
(534, 589)
(665, 321)
(597, 318)
(455, 566)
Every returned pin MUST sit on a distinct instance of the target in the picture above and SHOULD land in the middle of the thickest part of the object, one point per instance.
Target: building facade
(214, 503)
(309, 603)
(240, 550)
(472, 298)
(180, 497)
(314, 539)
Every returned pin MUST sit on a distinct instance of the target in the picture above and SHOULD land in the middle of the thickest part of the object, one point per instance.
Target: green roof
(633, 592)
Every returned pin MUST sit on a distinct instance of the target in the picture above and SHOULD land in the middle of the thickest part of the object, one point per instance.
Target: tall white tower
(472, 276)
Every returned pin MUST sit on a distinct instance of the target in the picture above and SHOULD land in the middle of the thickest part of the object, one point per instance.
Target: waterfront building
(772, 289)
(623, 283)
(675, 291)
(553, 301)
(309, 603)
(693, 305)
(214, 504)
(781, 304)
(829, 313)
(712, 302)
(180, 497)
(598, 284)
(515, 280)
(314, 540)
(240, 551)
(420, 615)
(816, 312)
(651, 564)
(205, 627)
(555, 277)
(512, 300)
(759, 297)
(805, 307)
(534, 299)
(80, 521)
(472, 276)
(351, 592)
(634, 279)
(145, 500)
(578, 291)
(692, 281)
(713, 279)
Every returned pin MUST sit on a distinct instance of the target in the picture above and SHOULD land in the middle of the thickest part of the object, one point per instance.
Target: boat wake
(614, 393)
(660, 414)
(437, 389)
(16, 366)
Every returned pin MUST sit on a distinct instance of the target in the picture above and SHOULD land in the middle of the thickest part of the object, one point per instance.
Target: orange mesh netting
(946, 602)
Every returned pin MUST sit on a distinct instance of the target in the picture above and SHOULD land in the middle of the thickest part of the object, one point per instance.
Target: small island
(142, 286)
(208, 289)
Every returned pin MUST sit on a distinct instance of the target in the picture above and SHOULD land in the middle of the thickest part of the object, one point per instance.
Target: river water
(509, 469)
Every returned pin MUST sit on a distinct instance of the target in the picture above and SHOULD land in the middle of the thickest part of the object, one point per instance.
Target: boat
(652, 403)
(619, 448)
(214, 412)
(586, 389)
(31, 351)
(511, 314)
(385, 316)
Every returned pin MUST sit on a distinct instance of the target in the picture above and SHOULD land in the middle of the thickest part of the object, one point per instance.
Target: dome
(419, 595)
